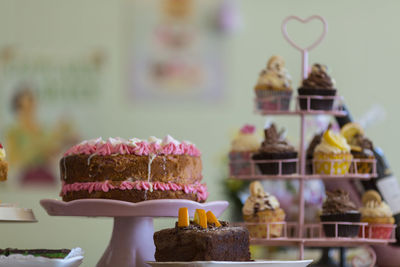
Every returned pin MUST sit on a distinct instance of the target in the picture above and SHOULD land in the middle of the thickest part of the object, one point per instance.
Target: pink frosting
(142, 148)
(197, 188)
(248, 129)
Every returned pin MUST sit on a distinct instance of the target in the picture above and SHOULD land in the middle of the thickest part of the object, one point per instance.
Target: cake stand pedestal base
(131, 243)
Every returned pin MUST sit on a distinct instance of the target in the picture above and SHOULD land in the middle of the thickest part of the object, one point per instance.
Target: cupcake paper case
(339, 208)
(260, 209)
(242, 147)
(275, 147)
(332, 156)
(274, 86)
(377, 214)
(318, 83)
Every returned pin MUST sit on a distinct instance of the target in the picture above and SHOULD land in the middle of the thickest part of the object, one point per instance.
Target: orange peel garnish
(200, 218)
(183, 217)
(212, 219)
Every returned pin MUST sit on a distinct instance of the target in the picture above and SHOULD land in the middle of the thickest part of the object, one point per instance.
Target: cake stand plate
(131, 241)
(12, 213)
(258, 263)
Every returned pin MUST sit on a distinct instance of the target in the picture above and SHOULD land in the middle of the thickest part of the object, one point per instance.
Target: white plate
(74, 259)
(257, 263)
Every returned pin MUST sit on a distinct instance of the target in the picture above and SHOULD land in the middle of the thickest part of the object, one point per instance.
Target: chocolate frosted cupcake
(318, 83)
(275, 147)
(274, 86)
(339, 208)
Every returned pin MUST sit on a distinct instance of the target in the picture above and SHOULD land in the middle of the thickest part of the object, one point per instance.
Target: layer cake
(133, 170)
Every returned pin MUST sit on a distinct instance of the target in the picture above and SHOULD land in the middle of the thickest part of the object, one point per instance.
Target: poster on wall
(176, 51)
(31, 85)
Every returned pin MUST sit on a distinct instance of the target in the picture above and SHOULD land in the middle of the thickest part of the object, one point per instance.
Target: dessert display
(262, 213)
(11, 257)
(133, 170)
(243, 146)
(275, 147)
(318, 83)
(332, 156)
(3, 164)
(361, 146)
(377, 214)
(274, 86)
(339, 208)
(202, 239)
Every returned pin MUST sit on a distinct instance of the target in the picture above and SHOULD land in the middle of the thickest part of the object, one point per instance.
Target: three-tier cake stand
(298, 233)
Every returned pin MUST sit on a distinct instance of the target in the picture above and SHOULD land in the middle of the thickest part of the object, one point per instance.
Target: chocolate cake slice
(194, 243)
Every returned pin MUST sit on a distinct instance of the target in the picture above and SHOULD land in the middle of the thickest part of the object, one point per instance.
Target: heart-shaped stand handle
(304, 51)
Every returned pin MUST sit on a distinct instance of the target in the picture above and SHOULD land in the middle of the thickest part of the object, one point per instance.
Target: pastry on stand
(11, 212)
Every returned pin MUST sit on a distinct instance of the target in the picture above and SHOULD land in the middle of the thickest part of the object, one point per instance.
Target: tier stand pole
(301, 185)
(304, 73)
(131, 243)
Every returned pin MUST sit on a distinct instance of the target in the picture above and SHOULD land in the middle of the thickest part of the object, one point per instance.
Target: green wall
(361, 49)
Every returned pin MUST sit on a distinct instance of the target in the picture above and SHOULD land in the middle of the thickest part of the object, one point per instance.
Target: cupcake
(332, 156)
(339, 208)
(318, 83)
(377, 214)
(242, 147)
(3, 164)
(260, 209)
(275, 147)
(274, 86)
(361, 147)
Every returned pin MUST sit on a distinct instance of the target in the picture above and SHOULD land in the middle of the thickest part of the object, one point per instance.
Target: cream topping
(259, 200)
(375, 209)
(2, 154)
(246, 140)
(275, 76)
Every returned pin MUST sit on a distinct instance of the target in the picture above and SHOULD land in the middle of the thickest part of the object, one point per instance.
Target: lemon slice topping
(336, 140)
(371, 195)
(351, 129)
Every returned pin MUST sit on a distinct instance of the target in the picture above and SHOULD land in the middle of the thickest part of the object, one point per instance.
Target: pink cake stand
(131, 241)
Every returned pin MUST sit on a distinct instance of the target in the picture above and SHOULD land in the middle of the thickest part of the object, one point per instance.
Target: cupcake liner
(316, 104)
(332, 164)
(260, 229)
(273, 168)
(240, 163)
(3, 170)
(344, 230)
(268, 100)
(377, 231)
(362, 167)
